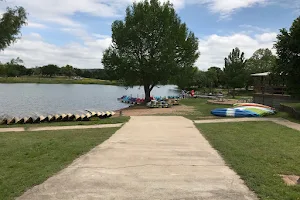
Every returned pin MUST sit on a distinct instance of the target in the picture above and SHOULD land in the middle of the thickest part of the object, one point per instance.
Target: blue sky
(77, 32)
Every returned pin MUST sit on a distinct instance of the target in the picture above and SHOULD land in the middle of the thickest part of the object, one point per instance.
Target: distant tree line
(235, 74)
(284, 67)
(15, 68)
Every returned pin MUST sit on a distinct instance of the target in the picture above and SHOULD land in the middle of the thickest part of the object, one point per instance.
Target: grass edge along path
(203, 110)
(30, 158)
(259, 152)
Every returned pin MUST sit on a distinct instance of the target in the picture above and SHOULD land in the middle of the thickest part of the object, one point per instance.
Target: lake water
(28, 99)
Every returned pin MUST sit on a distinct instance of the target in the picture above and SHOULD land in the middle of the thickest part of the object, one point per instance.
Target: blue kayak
(231, 112)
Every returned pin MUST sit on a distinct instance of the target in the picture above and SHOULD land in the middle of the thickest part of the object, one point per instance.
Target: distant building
(269, 91)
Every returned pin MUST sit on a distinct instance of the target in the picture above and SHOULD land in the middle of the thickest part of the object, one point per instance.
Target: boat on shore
(71, 117)
(50, 118)
(244, 111)
(3, 119)
(40, 118)
(28, 120)
(19, 120)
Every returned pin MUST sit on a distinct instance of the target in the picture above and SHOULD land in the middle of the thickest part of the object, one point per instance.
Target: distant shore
(55, 80)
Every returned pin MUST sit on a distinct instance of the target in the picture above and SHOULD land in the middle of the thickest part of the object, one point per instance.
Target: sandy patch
(291, 179)
(143, 111)
(225, 102)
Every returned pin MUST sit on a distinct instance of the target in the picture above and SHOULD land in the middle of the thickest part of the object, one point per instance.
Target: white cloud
(215, 48)
(227, 7)
(100, 36)
(36, 52)
(36, 25)
(251, 28)
(34, 36)
(266, 37)
(60, 12)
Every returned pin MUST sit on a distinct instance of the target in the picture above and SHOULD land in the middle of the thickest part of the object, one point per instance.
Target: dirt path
(144, 111)
(150, 157)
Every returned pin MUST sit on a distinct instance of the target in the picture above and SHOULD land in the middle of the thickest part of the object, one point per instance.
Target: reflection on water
(24, 99)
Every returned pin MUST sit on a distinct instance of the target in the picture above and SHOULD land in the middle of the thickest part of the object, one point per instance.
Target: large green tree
(288, 51)
(68, 70)
(262, 60)
(15, 68)
(215, 76)
(50, 70)
(234, 70)
(149, 46)
(186, 77)
(10, 25)
(201, 79)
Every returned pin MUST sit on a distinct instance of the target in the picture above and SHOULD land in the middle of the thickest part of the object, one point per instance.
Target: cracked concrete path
(151, 157)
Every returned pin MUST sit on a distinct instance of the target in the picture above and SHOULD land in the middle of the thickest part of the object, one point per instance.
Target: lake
(28, 99)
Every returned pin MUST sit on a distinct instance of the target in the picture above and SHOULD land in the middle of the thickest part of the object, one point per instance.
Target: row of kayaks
(39, 118)
(244, 110)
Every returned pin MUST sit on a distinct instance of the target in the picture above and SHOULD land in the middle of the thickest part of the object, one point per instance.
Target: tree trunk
(147, 93)
(233, 93)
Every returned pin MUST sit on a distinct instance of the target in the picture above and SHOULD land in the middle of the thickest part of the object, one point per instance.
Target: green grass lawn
(94, 121)
(54, 80)
(202, 108)
(29, 158)
(259, 152)
(296, 106)
(285, 115)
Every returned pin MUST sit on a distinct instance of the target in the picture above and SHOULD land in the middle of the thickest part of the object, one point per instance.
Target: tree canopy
(13, 68)
(150, 46)
(262, 60)
(10, 25)
(68, 70)
(288, 51)
(235, 69)
(186, 77)
(50, 70)
(215, 76)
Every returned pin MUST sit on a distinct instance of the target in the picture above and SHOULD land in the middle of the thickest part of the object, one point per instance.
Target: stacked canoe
(39, 118)
(244, 110)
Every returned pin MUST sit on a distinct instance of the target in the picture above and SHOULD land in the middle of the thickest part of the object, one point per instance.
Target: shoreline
(55, 80)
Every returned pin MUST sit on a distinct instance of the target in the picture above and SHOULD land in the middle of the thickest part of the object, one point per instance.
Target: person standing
(193, 93)
(183, 94)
